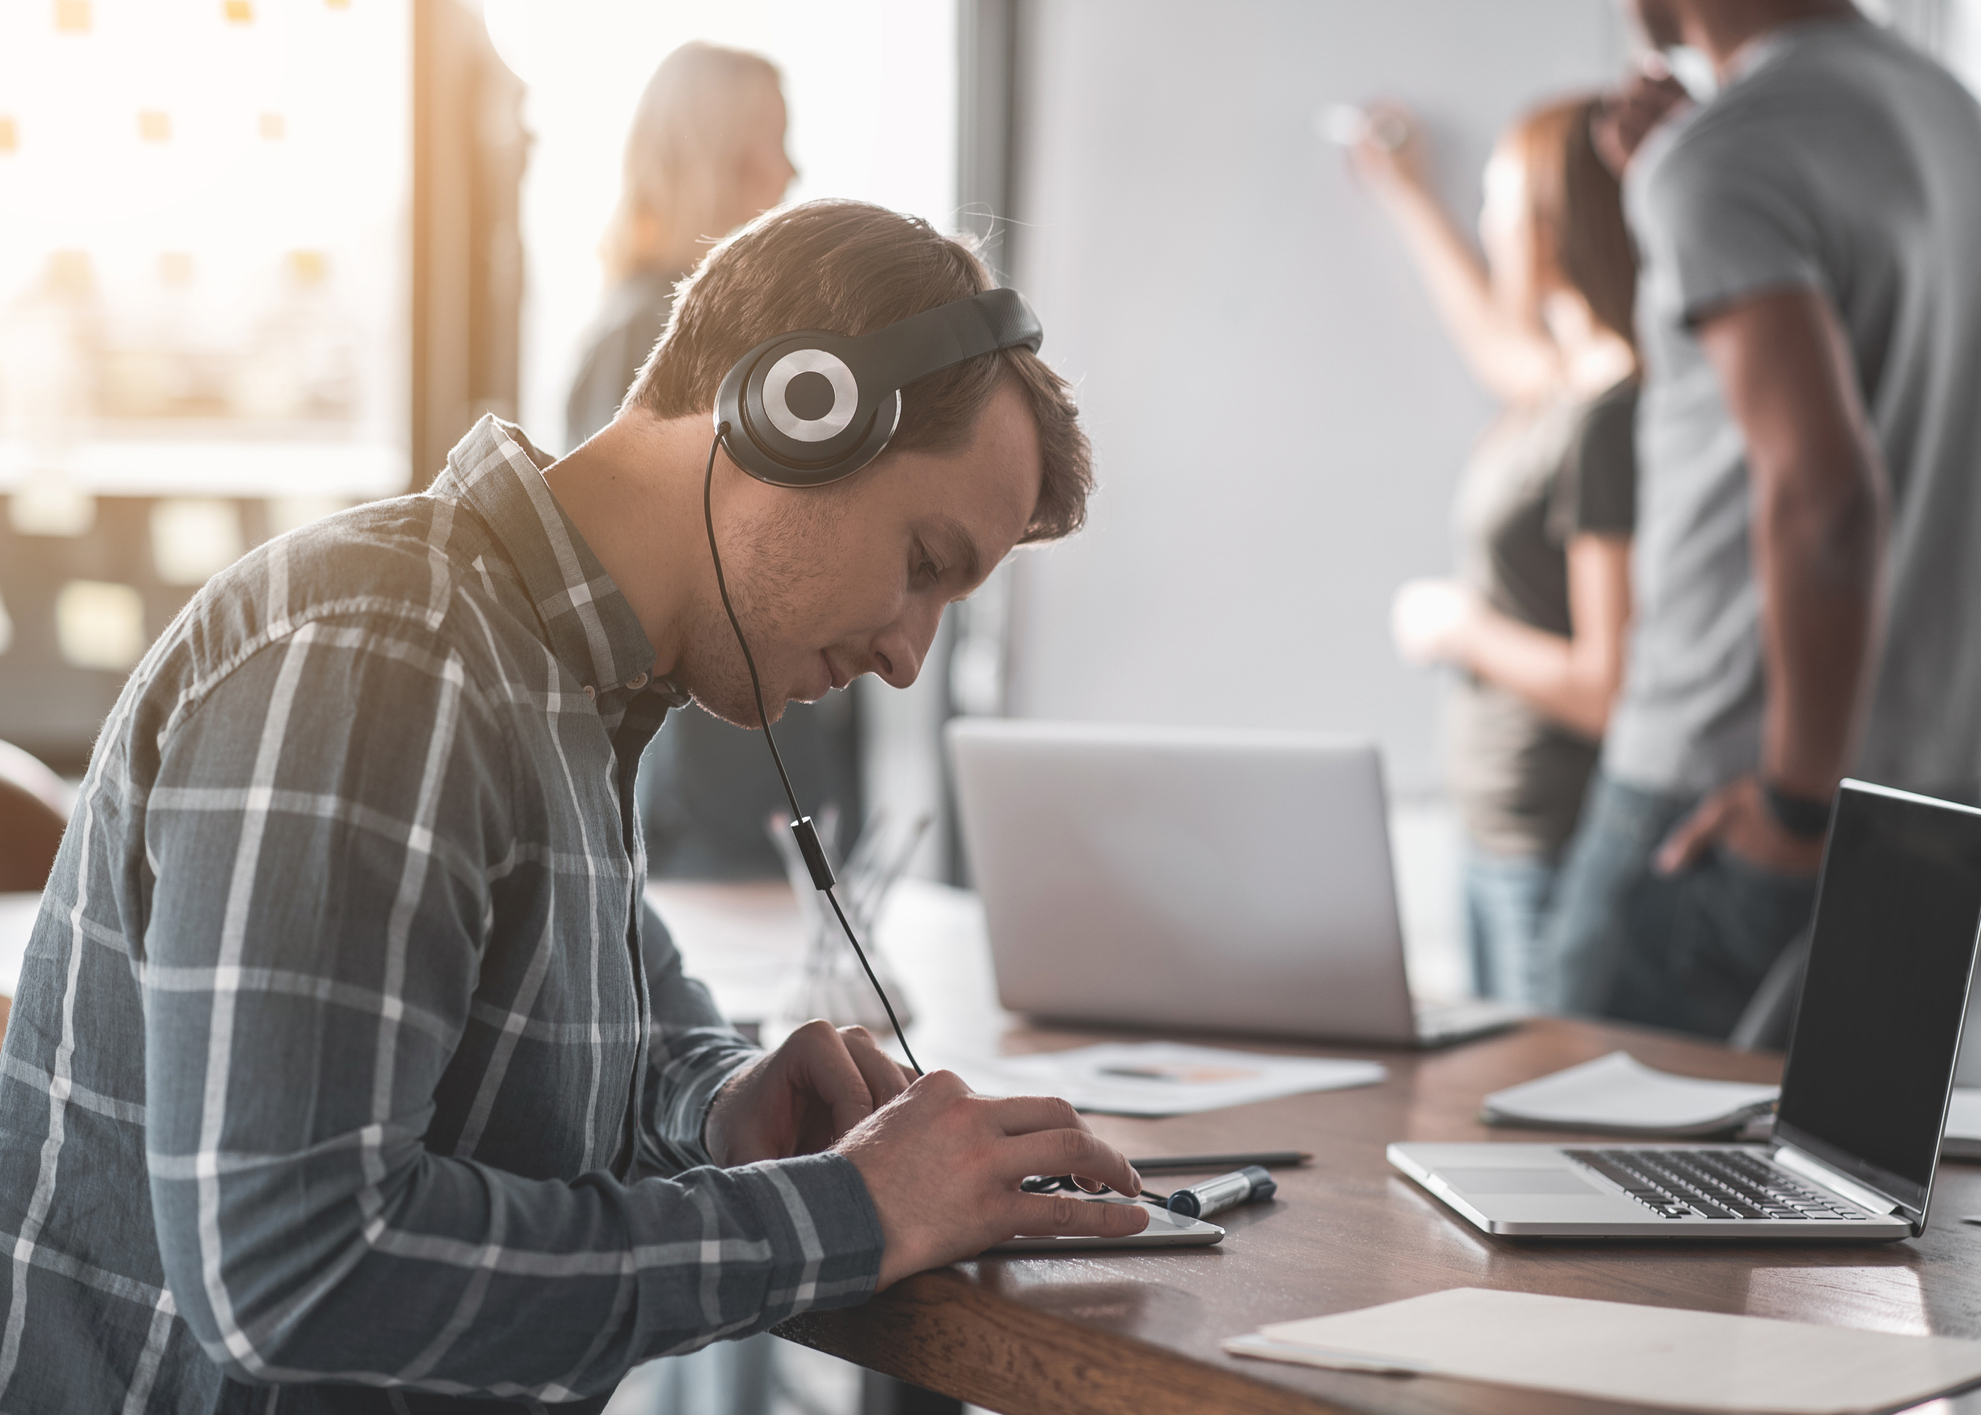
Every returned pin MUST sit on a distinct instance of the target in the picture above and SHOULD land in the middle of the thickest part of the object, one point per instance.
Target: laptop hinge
(1809, 1167)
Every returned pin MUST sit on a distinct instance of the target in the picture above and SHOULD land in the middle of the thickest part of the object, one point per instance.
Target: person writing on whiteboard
(346, 1057)
(1536, 618)
(1806, 577)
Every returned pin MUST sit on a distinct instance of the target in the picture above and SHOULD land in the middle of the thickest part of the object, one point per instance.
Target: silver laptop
(1192, 879)
(1864, 1092)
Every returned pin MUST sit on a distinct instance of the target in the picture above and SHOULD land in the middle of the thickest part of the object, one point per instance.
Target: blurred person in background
(705, 155)
(1805, 576)
(1535, 620)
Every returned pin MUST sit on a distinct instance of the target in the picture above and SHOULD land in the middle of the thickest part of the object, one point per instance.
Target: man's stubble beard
(768, 576)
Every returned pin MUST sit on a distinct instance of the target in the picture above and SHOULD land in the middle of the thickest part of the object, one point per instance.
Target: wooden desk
(1137, 1333)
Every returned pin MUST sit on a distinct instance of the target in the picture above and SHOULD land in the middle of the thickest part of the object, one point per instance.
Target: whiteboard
(1278, 419)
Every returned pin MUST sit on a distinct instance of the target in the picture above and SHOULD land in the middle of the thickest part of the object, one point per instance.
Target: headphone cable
(801, 824)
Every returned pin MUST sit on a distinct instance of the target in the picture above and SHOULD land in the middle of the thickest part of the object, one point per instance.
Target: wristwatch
(1800, 816)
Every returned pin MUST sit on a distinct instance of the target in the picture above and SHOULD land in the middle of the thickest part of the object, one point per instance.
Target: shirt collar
(1767, 47)
(592, 629)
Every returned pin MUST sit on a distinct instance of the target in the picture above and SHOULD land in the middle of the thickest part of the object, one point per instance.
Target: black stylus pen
(1218, 1164)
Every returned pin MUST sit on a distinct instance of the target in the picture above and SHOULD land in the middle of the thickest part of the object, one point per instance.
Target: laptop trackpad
(1517, 1181)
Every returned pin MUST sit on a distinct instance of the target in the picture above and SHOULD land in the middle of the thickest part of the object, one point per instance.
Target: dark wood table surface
(1139, 1331)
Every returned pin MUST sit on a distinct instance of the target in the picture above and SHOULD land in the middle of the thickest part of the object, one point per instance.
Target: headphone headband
(810, 407)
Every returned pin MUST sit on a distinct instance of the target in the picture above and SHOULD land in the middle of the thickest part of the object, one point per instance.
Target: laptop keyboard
(1711, 1184)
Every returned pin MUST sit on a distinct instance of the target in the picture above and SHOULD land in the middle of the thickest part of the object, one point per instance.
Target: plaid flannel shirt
(347, 1070)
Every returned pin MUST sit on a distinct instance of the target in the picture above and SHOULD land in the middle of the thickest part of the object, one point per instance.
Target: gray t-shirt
(1837, 159)
(1538, 480)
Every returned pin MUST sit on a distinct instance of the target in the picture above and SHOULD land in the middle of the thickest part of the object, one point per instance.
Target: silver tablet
(1165, 1230)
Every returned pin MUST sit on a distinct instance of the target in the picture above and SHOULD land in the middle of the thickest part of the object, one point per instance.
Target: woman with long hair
(705, 155)
(1536, 617)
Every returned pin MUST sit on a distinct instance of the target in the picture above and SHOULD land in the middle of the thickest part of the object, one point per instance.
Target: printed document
(1159, 1078)
(1621, 1352)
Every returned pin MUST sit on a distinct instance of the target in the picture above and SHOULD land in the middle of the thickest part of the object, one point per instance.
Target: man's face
(837, 581)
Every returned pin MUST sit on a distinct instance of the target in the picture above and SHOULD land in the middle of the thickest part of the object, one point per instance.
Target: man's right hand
(942, 1165)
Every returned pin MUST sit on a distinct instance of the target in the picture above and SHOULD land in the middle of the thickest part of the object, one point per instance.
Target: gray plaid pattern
(348, 1071)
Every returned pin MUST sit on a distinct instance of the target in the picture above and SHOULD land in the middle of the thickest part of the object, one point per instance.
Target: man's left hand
(1738, 820)
(802, 1097)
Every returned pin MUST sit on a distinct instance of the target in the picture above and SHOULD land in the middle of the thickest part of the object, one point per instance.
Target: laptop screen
(1865, 1089)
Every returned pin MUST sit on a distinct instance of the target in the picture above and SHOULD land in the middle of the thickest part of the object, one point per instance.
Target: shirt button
(637, 682)
(591, 692)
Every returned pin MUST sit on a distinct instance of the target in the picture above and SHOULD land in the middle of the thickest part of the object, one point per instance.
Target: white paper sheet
(1159, 1078)
(1619, 1093)
(1622, 1352)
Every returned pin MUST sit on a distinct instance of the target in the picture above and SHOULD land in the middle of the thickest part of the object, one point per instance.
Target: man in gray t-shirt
(1809, 442)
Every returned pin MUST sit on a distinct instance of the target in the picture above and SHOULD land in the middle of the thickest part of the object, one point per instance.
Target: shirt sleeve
(1595, 492)
(1723, 221)
(318, 835)
(692, 1050)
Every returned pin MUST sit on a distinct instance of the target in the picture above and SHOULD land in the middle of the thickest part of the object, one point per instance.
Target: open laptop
(1192, 879)
(1864, 1093)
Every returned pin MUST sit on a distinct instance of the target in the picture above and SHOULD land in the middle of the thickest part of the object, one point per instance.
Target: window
(204, 270)
(871, 86)
(203, 262)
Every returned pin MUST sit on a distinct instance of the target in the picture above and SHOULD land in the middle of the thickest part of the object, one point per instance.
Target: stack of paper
(1159, 1078)
(1618, 1094)
(1634, 1355)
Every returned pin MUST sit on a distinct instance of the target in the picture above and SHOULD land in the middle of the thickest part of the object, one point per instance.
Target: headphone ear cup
(810, 407)
(757, 395)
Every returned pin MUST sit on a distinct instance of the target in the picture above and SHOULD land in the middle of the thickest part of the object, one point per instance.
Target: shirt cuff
(687, 1085)
(824, 1232)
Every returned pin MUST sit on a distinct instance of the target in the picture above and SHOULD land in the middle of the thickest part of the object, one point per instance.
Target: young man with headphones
(346, 1058)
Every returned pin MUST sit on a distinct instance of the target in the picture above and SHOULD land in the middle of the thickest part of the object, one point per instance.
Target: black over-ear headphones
(809, 407)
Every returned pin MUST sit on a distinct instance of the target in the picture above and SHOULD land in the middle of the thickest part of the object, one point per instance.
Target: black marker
(1242, 1186)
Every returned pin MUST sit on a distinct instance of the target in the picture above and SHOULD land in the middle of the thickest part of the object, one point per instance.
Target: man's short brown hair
(850, 268)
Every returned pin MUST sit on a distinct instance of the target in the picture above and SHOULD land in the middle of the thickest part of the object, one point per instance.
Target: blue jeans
(1684, 952)
(1506, 902)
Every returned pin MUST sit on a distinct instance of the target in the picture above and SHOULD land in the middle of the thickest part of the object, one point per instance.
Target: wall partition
(1278, 417)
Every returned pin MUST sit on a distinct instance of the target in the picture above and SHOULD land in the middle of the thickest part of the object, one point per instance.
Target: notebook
(1620, 1095)
(1629, 1354)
